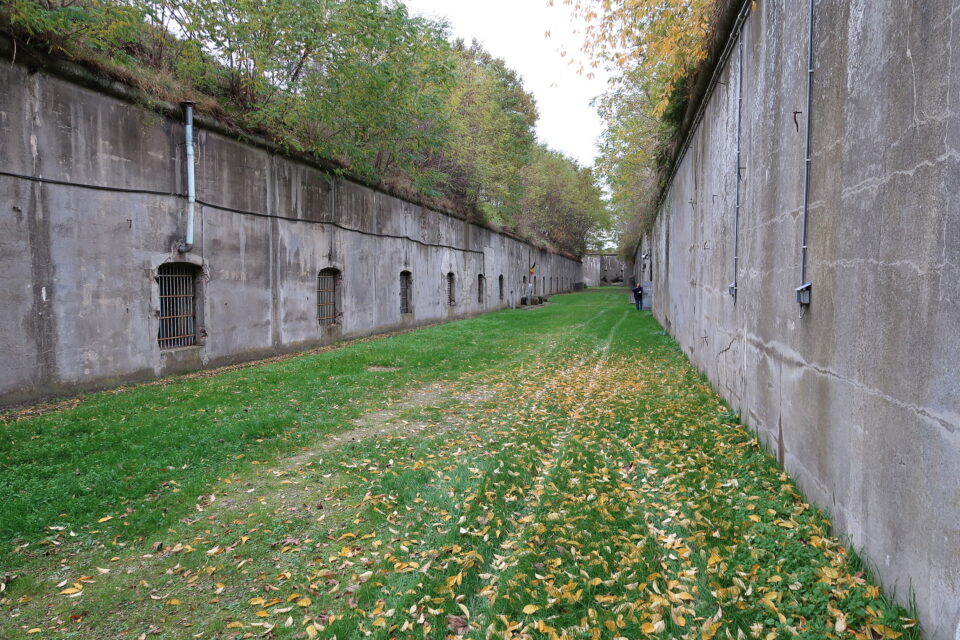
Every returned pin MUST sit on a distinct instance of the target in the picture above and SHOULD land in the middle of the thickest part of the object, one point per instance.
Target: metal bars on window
(406, 284)
(501, 286)
(451, 295)
(328, 297)
(178, 321)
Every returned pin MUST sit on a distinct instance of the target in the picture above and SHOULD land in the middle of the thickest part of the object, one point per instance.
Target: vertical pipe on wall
(187, 243)
(803, 291)
(736, 214)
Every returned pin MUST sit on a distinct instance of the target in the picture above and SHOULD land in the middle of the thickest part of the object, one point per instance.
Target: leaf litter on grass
(597, 489)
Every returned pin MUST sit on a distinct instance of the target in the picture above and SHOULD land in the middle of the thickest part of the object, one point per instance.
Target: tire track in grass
(660, 551)
(510, 449)
(618, 524)
(593, 545)
(554, 453)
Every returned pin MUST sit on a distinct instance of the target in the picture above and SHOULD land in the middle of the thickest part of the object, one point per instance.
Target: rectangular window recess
(803, 293)
(328, 297)
(451, 298)
(178, 324)
(406, 281)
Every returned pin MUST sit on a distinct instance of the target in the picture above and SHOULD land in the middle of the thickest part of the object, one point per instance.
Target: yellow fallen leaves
(655, 626)
(595, 489)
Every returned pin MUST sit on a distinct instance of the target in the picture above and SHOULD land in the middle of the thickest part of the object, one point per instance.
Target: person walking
(638, 295)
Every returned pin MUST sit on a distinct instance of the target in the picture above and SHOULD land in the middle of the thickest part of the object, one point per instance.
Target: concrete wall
(859, 393)
(80, 249)
(599, 268)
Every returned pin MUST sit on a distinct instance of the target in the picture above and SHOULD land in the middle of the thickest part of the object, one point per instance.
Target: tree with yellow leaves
(654, 48)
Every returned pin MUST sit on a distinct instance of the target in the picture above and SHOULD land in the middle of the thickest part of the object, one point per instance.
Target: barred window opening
(500, 281)
(406, 285)
(481, 287)
(451, 282)
(178, 320)
(328, 297)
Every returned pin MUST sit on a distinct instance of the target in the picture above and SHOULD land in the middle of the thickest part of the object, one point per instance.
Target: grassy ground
(553, 473)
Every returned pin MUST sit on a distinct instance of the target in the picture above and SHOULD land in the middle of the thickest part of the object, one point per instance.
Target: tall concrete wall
(599, 268)
(89, 189)
(859, 393)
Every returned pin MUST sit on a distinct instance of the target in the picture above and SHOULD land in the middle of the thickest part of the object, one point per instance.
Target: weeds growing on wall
(381, 93)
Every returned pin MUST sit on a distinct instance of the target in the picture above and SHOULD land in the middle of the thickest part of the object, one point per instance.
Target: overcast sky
(514, 30)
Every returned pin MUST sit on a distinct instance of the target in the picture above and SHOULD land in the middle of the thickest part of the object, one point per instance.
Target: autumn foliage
(381, 93)
(654, 48)
(568, 475)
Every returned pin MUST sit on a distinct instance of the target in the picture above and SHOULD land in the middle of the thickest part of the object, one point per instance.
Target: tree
(655, 46)
(561, 201)
(658, 42)
(361, 82)
(492, 133)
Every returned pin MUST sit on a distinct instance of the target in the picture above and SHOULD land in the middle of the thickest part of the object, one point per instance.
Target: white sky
(514, 30)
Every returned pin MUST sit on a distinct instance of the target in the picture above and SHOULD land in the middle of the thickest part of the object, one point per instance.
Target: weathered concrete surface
(79, 250)
(860, 396)
(601, 268)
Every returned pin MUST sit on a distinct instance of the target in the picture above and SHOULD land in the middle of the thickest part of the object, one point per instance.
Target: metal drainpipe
(803, 291)
(187, 244)
(736, 215)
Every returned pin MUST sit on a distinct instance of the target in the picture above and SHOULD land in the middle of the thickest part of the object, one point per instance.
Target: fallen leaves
(607, 493)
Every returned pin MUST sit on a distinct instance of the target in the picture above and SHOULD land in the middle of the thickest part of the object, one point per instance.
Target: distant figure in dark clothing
(638, 295)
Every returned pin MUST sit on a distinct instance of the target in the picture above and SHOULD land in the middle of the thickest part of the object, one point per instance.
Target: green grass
(139, 455)
(572, 476)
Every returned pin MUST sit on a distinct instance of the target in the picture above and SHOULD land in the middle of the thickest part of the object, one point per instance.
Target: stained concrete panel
(858, 393)
(81, 243)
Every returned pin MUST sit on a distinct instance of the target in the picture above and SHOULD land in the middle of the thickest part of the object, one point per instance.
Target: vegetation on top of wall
(658, 50)
(382, 94)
